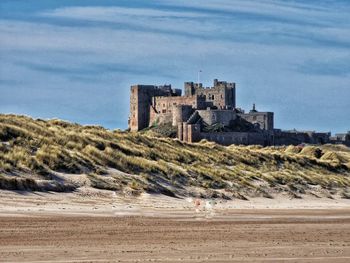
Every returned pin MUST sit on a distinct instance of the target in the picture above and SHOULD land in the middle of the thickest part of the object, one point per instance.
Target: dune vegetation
(54, 155)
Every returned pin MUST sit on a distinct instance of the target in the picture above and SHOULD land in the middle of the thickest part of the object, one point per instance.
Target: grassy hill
(55, 155)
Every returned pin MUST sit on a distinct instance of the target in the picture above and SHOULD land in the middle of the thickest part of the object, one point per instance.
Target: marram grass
(35, 154)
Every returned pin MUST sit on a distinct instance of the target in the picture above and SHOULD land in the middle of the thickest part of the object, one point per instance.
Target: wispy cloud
(66, 54)
(246, 21)
(112, 14)
(294, 11)
(93, 70)
(333, 67)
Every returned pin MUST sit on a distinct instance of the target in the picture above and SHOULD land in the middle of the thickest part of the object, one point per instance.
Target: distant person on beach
(197, 204)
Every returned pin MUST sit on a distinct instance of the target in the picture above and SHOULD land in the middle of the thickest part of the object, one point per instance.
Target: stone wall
(191, 133)
(166, 108)
(277, 137)
(341, 138)
(188, 132)
(298, 137)
(141, 101)
(245, 138)
(263, 119)
(180, 135)
(166, 104)
(211, 117)
(160, 118)
(181, 113)
(222, 95)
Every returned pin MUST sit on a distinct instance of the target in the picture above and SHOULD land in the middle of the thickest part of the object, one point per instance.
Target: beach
(100, 226)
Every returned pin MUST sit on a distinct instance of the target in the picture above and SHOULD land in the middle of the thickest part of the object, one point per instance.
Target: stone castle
(210, 113)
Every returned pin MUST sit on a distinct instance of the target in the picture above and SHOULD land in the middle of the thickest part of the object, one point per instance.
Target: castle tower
(140, 101)
(222, 95)
(189, 88)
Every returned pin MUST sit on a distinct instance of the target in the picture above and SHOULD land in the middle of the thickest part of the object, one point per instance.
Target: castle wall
(181, 113)
(188, 132)
(166, 108)
(180, 131)
(341, 138)
(245, 138)
(211, 117)
(161, 118)
(166, 103)
(193, 131)
(141, 101)
(320, 137)
(219, 97)
(298, 137)
(263, 119)
(222, 95)
(286, 138)
(185, 132)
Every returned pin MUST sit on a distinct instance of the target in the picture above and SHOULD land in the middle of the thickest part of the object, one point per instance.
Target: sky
(76, 60)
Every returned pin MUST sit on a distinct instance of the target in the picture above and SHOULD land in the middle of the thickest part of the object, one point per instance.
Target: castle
(210, 113)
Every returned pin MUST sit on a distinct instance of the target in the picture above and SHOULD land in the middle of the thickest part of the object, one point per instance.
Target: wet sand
(263, 235)
(100, 226)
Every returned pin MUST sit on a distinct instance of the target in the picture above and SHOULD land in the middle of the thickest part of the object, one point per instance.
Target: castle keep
(211, 113)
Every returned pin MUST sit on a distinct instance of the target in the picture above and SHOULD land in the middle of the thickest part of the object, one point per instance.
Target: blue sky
(76, 60)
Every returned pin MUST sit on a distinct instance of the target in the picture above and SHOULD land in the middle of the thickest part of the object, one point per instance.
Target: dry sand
(99, 226)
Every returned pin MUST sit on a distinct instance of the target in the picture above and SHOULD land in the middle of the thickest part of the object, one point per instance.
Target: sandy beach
(99, 226)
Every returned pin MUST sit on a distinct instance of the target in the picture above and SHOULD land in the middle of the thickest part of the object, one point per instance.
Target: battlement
(153, 90)
(222, 95)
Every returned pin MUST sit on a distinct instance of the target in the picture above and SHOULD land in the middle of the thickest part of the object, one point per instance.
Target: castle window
(212, 97)
(163, 111)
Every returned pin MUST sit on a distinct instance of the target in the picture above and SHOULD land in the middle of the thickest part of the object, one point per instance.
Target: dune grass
(33, 151)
